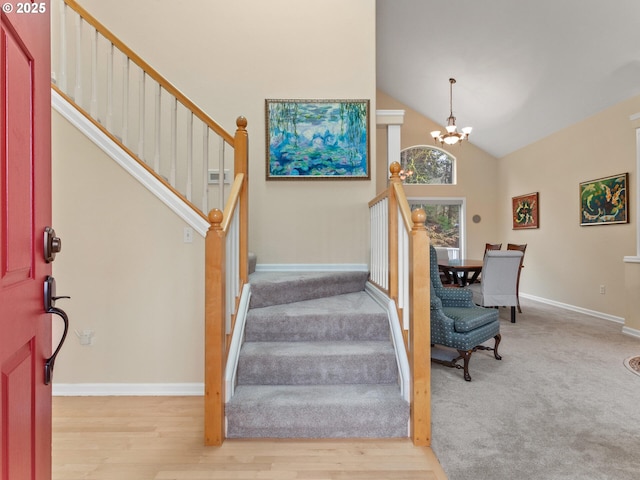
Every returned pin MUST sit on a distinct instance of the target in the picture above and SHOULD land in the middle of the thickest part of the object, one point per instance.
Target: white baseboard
(573, 308)
(128, 389)
(631, 332)
(396, 336)
(312, 267)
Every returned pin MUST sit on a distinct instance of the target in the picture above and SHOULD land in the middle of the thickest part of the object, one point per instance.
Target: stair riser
(320, 422)
(364, 369)
(316, 328)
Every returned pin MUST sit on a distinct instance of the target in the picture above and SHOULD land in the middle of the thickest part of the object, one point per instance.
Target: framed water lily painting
(604, 201)
(317, 139)
(525, 211)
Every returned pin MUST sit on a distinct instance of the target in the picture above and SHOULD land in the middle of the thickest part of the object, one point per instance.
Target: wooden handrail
(403, 205)
(149, 70)
(232, 202)
(382, 195)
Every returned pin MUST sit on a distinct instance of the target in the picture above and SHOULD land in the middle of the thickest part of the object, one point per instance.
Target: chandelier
(451, 136)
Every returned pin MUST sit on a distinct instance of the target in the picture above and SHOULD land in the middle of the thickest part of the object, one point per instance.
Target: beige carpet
(561, 405)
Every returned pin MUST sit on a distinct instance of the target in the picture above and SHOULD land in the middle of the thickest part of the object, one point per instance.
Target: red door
(25, 211)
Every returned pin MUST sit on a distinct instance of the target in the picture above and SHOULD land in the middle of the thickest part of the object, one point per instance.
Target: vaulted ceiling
(524, 69)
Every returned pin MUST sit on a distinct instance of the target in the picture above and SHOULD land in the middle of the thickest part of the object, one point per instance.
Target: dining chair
(487, 247)
(499, 281)
(492, 246)
(522, 248)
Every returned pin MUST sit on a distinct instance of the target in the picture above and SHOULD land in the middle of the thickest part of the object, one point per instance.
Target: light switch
(188, 235)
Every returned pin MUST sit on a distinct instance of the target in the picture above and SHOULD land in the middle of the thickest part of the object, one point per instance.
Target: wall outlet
(85, 337)
(603, 290)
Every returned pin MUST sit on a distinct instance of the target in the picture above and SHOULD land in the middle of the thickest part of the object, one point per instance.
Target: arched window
(424, 164)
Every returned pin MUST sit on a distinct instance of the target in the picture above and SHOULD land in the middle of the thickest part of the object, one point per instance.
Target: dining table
(460, 271)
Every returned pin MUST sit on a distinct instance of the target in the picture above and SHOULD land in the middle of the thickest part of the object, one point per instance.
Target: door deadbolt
(52, 244)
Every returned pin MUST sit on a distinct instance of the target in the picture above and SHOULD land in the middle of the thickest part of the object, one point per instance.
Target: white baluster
(221, 171)
(125, 101)
(62, 74)
(174, 141)
(110, 90)
(189, 187)
(205, 168)
(141, 112)
(156, 157)
(93, 106)
(77, 96)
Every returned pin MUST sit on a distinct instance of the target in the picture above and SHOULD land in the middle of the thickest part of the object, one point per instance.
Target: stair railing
(139, 109)
(399, 267)
(85, 62)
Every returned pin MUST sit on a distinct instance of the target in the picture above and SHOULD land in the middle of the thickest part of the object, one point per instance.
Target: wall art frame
(525, 211)
(317, 139)
(603, 201)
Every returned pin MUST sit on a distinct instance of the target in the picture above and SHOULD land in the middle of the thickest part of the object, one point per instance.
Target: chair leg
(518, 301)
(498, 337)
(513, 314)
(466, 356)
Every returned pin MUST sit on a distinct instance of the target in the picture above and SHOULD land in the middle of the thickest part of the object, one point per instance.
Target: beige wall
(565, 262)
(136, 283)
(476, 175)
(131, 278)
(228, 57)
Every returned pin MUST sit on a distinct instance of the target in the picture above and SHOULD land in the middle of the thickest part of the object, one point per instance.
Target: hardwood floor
(160, 438)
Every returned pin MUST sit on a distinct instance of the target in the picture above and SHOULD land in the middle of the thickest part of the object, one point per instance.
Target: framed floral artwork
(525, 211)
(604, 201)
(317, 139)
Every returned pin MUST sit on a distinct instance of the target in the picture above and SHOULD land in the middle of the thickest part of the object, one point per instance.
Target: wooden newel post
(420, 330)
(241, 147)
(241, 162)
(214, 330)
(394, 169)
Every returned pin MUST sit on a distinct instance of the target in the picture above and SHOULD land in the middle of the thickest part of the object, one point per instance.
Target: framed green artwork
(317, 139)
(604, 200)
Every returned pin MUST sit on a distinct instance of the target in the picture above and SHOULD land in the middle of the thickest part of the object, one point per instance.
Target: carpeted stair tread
(351, 316)
(274, 288)
(321, 363)
(318, 411)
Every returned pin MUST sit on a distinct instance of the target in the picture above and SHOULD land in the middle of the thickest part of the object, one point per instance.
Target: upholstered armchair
(456, 322)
